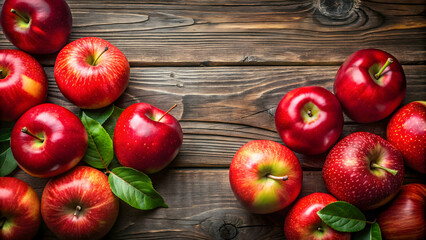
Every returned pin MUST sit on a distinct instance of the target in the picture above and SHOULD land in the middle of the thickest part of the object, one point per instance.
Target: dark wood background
(227, 64)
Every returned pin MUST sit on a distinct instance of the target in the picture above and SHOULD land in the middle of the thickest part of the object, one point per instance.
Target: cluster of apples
(362, 169)
(48, 140)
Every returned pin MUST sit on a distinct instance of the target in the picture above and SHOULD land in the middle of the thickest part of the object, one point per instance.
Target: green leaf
(7, 161)
(371, 232)
(99, 115)
(135, 188)
(343, 217)
(5, 130)
(109, 124)
(99, 150)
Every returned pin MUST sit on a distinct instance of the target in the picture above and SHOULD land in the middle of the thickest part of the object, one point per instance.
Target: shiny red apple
(404, 218)
(265, 176)
(48, 140)
(23, 84)
(302, 221)
(19, 210)
(91, 72)
(309, 120)
(37, 26)
(370, 85)
(146, 138)
(79, 204)
(364, 170)
(406, 130)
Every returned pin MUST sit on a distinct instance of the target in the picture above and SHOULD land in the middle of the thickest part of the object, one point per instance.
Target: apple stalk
(391, 171)
(389, 61)
(26, 131)
(280, 178)
(95, 61)
(77, 210)
(167, 112)
(26, 20)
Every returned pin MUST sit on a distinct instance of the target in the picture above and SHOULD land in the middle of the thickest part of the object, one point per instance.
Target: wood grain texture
(222, 108)
(250, 32)
(201, 206)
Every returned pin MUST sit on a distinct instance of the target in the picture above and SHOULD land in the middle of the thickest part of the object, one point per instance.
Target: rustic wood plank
(201, 206)
(211, 32)
(222, 108)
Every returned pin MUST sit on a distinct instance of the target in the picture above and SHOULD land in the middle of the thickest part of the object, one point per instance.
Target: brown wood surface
(217, 32)
(227, 64)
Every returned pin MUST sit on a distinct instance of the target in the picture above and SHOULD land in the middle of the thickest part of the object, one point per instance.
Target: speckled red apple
(364, 170)
(407, 132)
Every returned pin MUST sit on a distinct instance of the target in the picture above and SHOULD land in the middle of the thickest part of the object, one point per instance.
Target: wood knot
(228, 231)
(336, 9)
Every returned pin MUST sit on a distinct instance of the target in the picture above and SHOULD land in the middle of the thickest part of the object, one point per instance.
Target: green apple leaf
(7, 161)
(371, 232)
(5, 130)
(99, 115)
(110, 123)
(99, 150)
(135, 188)
(343, 217)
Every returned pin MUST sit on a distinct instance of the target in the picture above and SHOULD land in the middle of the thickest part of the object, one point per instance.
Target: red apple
(79, 204)
(370, 85)
(37, 26)
(407, 132)
(404, 218)
(48, 140)
(19, 210)
(309, 120)
(265, 176)
(302, 221)
(364, 170)
(146, 138)
(91, 72)
(23, 84)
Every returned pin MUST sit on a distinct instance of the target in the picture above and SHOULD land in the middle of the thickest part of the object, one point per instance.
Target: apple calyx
(280, 178)
(77, 210)
(26, 131)
(389, 61)
(25, 19)
(167, 112)
(95, 60)
(391, 171)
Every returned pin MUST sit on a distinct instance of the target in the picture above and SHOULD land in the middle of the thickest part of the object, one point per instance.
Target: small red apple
(146, 138)
(79, 204)
(23, 84)
(302, 221)
(364, 170)
(19, 210)
(265, 176)
(48, 140)
(370, 85)
(406, 130)
(91, 72)
(309, 120)
(404, 218)
(37, 26)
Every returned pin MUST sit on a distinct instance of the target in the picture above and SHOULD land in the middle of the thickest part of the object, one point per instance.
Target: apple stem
(26, 131)
(319, 229)
(389, 61)
(26, 20)
(77, 210)
(310, 113)
(391, 171)
(95, 62)
(283, 178)
(167, 112)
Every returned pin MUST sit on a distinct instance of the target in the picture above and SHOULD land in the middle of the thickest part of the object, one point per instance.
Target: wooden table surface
(227, 64)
